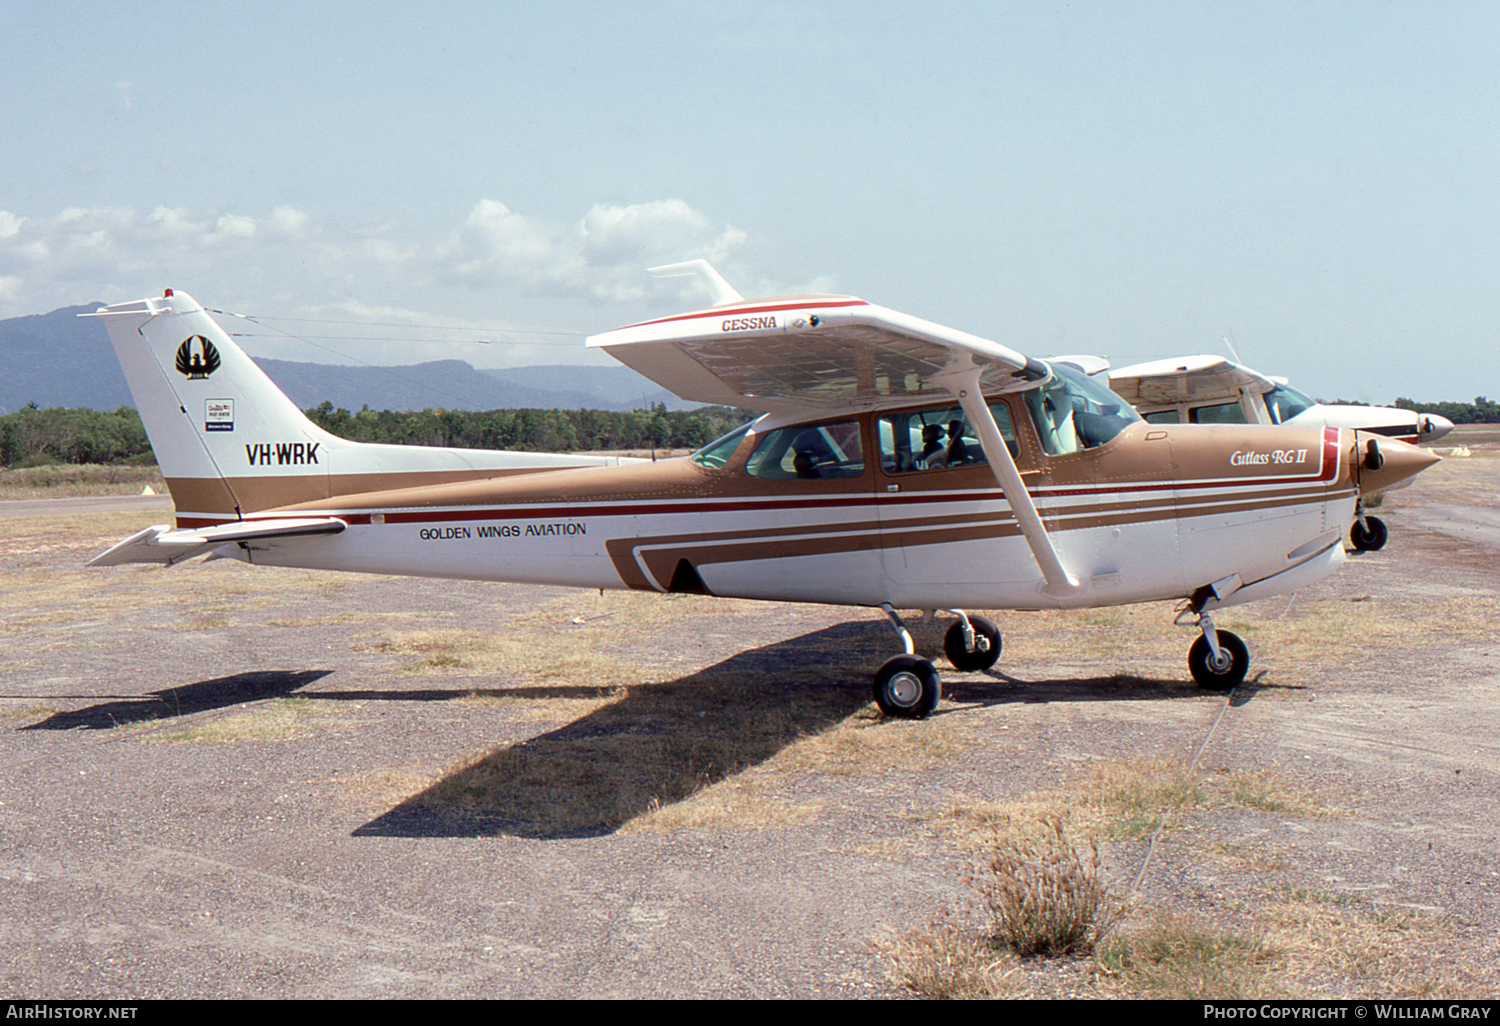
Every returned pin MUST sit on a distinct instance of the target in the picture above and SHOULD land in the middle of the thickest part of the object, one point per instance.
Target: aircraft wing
(1185, 379)
(161, 544)
(809, 354)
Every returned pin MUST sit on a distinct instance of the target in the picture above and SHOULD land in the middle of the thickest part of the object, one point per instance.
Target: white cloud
(496, 245)
(495, 257)
(175, 221)
(234, 226)
(288, 220)
(603, 256)
(620, 241)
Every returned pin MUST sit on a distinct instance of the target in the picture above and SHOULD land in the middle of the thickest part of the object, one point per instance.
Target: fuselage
(1155, 513)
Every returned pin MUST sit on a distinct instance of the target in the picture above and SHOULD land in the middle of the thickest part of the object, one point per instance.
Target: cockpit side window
(1073, 412)
(809, 452)
(937, 438)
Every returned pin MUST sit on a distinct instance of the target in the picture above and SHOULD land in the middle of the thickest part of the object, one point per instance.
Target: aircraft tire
(1204, 673)
(907, 687)
(1369, 537)
(984, 655)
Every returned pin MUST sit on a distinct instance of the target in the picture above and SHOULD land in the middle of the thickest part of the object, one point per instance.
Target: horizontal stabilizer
(161, 544)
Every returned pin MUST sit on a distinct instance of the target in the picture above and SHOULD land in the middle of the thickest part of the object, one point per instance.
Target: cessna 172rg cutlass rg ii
(899, 464)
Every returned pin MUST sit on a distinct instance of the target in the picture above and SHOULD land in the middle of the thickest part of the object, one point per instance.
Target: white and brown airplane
(1213, 390)
(899, 464)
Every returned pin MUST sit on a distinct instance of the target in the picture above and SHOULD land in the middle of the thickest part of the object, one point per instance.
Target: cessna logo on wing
(201, 364)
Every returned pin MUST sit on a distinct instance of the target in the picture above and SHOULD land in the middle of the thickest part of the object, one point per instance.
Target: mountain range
(61, 359)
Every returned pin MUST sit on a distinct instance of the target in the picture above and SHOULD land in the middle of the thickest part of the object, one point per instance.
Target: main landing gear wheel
(907, 687)
(1229, 672)
(986, 645)
(1368, 534)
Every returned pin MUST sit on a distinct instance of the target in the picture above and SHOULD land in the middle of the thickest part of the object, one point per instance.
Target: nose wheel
(1221, 670)
(1368, 534)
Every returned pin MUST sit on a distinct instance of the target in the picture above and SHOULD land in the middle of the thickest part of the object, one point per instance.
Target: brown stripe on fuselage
(305, 492)
(664, 550)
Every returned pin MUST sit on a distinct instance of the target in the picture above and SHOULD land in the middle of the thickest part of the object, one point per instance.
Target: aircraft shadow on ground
(170, 703)
(657, 744)
(997, 688)
(660, 744)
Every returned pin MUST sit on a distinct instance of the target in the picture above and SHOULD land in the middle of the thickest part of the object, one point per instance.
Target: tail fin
(213, 416)
(231, 443)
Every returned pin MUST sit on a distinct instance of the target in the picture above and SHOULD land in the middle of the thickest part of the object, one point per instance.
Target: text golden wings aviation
(899, 464)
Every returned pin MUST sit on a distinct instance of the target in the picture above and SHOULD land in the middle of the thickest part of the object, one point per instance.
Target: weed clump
(1041, 896)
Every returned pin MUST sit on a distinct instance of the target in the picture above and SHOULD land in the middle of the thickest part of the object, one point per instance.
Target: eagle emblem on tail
(200, 364)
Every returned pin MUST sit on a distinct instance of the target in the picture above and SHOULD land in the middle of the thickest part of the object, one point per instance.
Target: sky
(1318, 181)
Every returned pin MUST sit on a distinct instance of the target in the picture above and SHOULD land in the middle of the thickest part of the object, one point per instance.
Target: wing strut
(964, 383)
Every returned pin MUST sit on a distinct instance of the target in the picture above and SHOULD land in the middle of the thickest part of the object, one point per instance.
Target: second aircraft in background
(1213, 390)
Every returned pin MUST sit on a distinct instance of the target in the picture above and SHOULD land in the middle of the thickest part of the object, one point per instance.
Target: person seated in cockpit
(934, 451)
(809, 450)
(958, 452)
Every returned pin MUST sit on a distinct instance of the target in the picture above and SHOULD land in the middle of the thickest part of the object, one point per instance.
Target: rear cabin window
(1221, 413)
(809, 453)
(935, 439)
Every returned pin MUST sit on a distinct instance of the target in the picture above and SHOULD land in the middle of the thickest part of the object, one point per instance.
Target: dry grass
(29, 536)
(866, 743)
(1176, 960)
(577, 657)
(65, 481)
(1034, 892)
(1041, 894)
(1118, 640)
(1293, 948)
(949, 960)
(1284, 943)
(1293, 641)
(640, 744)
(1380, 950)
(1042, 891)
(281, 719)
(734, 804)
(1126, 799)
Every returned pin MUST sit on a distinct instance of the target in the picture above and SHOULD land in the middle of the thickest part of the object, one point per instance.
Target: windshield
(1073, 412)
(809, 452)
(1284, 402)
(716, 453)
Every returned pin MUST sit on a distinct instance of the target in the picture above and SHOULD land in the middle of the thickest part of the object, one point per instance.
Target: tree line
(1480, 411)
(35, 437)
